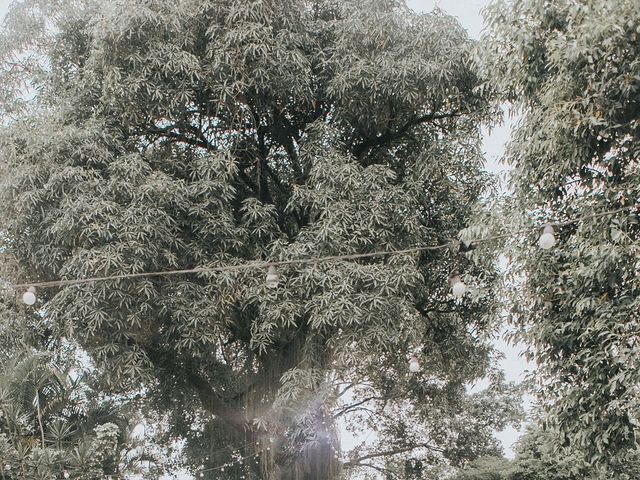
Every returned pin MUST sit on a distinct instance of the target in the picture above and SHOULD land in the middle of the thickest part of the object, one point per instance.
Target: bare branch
(391, 452)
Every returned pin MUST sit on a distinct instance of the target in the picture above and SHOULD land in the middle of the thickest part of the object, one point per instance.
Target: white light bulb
(414, 365)
(65, 474)
(272, 277)
(459, 289)
(547, 240)
(29, 297)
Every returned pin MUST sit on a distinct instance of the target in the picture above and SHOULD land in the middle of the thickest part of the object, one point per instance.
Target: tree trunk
(315, 460)
(302, 443)
(256, 439)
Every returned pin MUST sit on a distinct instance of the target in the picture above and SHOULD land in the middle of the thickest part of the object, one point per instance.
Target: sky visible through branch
(468, 13)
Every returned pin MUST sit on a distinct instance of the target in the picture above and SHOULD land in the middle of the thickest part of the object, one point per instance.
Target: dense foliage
(539, 457)
(173, 135)
(572, 70)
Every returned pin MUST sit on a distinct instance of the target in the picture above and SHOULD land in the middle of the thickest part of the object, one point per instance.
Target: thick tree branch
(395, 451)
(383, 470)
(390, 136)
(172, 132)
(187, 370)
(353, 406)
(285, 134)
(215, 404)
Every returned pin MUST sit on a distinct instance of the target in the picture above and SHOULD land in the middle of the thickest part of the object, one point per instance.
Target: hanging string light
(458, 287)
(414, 365)
(272, 277)
(29, 297)
(547, 240)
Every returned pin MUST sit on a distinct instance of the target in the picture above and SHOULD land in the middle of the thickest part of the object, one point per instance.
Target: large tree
(152, 136)
(540, 456)
(572, 70)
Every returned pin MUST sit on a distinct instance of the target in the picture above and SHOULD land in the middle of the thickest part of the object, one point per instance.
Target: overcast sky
(468, 13)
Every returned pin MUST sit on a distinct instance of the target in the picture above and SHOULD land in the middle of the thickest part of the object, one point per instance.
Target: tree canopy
(152, 136)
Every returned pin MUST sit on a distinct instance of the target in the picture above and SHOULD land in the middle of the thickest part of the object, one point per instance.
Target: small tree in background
(173, 135)
(486, 468)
